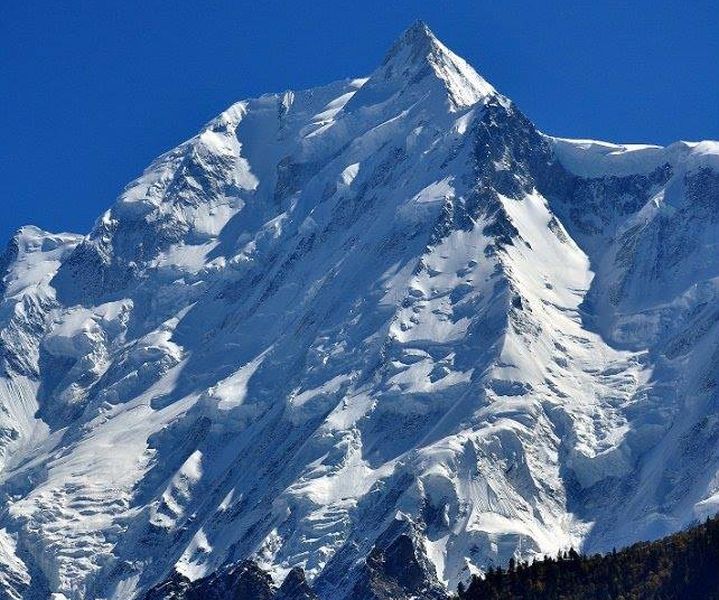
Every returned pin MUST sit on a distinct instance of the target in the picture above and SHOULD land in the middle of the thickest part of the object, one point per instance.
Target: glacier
(383, 315)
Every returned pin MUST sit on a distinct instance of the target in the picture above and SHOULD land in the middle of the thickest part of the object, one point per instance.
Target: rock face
(295, 587)
(244, 581)
(398, 570)
(384, 331)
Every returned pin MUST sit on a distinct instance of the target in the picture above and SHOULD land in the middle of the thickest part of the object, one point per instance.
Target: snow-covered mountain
(377, 322)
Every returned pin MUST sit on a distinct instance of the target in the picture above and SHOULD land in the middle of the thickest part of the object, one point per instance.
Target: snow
(324, 311)
(592, 158)
(39, 255)
(348, 175)
(232, 391)
(419, 55)
(15, 570)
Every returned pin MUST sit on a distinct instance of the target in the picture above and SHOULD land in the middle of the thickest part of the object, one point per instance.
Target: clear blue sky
(93, 91)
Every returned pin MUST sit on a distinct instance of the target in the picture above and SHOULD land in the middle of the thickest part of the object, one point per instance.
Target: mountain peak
(418, 36)
(413, 67)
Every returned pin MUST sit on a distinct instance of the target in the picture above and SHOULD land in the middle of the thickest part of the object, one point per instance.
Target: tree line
(681, 566)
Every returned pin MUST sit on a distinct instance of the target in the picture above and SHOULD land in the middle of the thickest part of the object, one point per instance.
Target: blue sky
(93, 91)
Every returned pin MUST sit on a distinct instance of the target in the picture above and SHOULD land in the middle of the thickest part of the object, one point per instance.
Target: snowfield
(385, 305)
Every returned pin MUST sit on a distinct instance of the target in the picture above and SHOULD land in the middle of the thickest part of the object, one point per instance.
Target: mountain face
(382, 335)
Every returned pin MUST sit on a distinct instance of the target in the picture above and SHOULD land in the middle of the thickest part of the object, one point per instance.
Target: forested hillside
(683, 565)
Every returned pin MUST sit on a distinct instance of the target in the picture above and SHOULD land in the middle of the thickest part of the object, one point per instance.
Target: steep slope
(385, 309)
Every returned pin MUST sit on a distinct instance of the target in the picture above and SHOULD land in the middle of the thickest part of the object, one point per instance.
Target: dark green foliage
(682, 566)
